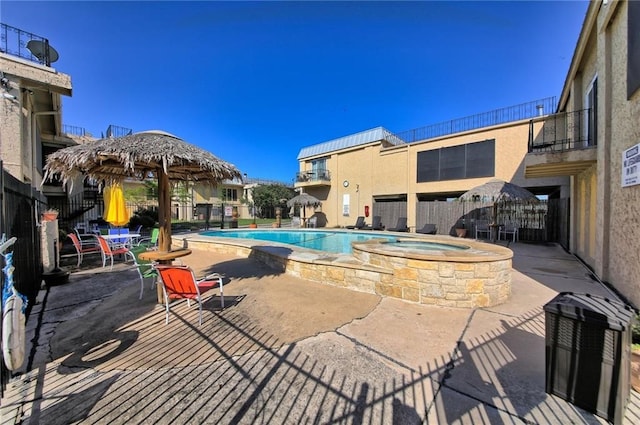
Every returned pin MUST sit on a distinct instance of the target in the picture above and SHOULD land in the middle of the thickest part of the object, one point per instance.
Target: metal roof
(361, 138)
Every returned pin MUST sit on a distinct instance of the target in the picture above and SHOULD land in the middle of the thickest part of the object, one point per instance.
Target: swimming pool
(335, 242)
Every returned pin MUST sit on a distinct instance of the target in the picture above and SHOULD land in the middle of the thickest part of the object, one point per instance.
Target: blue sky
(254, 82)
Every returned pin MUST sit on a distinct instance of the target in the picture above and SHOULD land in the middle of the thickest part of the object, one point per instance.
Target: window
(633, 46)
(229, 194)
(591, 114)
(319, 168)
(457, 162)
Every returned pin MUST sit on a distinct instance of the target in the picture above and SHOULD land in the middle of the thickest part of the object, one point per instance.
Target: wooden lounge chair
(375, 225)
(359, 223)
(179, 282)
(428, 229)
(401, 225)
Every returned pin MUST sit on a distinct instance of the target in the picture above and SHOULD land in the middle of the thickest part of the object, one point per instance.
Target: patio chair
(109, 252)
(296, 222)
(375, 225)
(119, 242)
(359, 223)
(509, 228)
(83, 247)
(428, 229)
(145, 268)
(482, 226)
(401, 225)
(152, 241)
(312, 222)
(179, 282)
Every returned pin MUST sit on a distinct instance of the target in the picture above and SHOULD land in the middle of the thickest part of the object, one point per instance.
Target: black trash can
(587, 352)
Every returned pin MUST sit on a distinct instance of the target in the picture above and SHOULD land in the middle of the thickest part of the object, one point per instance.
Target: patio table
(163, 257)
(127, 237)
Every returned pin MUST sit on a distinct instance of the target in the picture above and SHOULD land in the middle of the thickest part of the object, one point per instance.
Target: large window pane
(481, 159)
(452, 163)
(429, 166)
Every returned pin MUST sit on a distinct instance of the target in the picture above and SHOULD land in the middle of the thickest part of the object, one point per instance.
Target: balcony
(562, 144)
(26, 45)
(313, 178)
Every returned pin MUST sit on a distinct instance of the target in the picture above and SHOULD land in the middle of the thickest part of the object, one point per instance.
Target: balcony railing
(563, 132)
(73, 130)
(14, 41)
(116, 131)
(313, 176)
(485, 119)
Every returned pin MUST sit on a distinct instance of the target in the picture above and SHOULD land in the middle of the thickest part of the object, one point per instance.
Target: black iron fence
(26, 45)
(19, 206)
(486, 119)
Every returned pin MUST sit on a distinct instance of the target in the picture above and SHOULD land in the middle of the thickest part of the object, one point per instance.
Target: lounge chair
(401, 225)
(84, 247)
(152, 241)
(145, 268)
(109, 252)
(179, 282)
(482, 226)
(375, 225)
(428, 229)
(359, 223)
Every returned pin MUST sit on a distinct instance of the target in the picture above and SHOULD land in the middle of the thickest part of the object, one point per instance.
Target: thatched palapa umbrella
(497, 191)
(140, 156)
(303, 200)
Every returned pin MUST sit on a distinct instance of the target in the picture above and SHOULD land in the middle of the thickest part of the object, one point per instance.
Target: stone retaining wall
(465, 281)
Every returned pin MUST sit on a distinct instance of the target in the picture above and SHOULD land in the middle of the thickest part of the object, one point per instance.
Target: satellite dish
(38, 49)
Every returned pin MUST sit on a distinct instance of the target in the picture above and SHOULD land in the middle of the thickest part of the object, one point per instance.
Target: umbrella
(114, 206)
(304, 200)
(496, 191)
(140, 156)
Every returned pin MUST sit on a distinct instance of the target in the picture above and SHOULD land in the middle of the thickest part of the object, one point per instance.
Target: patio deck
(287, 350)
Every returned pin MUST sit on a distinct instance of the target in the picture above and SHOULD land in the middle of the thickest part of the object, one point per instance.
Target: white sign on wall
(345, 204)
(631, 166)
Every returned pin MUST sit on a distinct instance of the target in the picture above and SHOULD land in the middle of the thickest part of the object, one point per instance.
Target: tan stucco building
(575, 151)
(602, 87)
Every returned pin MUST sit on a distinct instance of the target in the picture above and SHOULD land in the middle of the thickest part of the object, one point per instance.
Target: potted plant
(50, 214)
(461, 232)
(635, 354)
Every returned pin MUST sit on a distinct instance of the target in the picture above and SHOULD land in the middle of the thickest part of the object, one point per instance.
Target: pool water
(335, 242)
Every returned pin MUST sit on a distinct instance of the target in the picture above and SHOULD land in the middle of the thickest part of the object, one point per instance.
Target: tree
(267, 197)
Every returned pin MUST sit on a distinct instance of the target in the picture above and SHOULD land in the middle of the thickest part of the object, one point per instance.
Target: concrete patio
(290, 351)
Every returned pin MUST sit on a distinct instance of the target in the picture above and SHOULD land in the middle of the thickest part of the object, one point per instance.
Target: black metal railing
(563, 132)
(116, 131)
(486, 119)
(313, 176)
(73, 130)
(16, 42)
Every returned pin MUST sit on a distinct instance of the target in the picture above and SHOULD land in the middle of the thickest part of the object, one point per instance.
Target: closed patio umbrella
(140, 156)
(114, 206)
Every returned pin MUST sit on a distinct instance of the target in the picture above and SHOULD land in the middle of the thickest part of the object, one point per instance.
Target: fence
(19, 205)
(543, 221)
